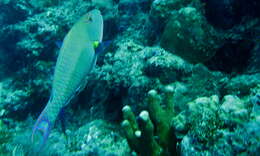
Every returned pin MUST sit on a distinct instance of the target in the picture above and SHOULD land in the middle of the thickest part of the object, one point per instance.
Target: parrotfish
(76, 59)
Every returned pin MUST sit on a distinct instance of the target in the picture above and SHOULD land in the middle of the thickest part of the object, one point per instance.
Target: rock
(233, 110)
(188, 35)
(167, 67)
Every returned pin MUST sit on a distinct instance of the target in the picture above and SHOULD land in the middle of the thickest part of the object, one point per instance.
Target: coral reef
(242, 84)
(223, 124)
(5, 137)
(97, 137)
(192, 72)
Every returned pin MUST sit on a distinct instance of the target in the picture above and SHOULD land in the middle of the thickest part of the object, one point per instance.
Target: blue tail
(42, 125)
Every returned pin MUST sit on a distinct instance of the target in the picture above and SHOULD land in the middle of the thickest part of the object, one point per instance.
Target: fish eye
(89, 18)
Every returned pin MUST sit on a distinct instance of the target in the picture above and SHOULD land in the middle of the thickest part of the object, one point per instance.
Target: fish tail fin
(42, 125)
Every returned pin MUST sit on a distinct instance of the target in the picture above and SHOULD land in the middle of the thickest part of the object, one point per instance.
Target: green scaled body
(76, 59)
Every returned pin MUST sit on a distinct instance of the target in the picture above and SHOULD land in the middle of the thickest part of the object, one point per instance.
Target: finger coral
(151, 133)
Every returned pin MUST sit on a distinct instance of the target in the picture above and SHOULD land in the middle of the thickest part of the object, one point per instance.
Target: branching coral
(152, 133)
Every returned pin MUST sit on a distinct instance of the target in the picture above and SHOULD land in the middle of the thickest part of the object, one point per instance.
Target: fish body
(76, 59)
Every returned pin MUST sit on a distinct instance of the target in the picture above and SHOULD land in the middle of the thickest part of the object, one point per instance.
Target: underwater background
(178, 77)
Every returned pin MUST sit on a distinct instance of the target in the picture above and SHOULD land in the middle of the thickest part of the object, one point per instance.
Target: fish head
(93, 22)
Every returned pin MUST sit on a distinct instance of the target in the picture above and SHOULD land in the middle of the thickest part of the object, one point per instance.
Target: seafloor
(179, 77)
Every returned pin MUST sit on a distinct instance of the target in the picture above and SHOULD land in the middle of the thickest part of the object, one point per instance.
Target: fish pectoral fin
(101, 47)
(82, 86)
(77, 91)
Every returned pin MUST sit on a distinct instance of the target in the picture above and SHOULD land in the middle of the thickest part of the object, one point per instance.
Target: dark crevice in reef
(114, 104)
(109, 102)
(8, 45)
(133, 7)
(254, 65)
(225, 14)
(233, 56)
(111, 29)
(11, 14)
(21, 114)
(154, 30)
(220, 14)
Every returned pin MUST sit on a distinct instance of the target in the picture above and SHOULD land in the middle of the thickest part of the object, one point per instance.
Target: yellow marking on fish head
(95, 44)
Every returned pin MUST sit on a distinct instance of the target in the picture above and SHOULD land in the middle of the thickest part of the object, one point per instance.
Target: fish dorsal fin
(94, 22)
